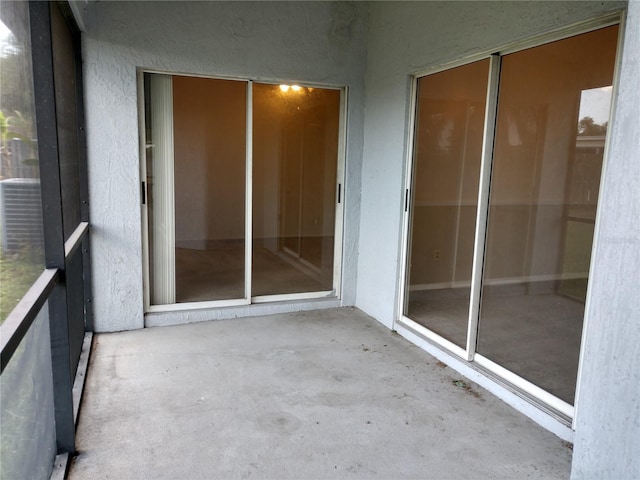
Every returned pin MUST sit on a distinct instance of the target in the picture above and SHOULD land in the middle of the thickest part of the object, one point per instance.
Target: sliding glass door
(506, 168)
(295, 147)
(195, 145)
(448, 149)
(240, 183)
(531, 321)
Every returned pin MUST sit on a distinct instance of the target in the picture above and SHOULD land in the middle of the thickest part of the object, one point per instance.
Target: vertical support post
(44, 93)
(84, 183)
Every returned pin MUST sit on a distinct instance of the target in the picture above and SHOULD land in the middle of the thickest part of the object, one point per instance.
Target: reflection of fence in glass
(582, 196)
(18, 160)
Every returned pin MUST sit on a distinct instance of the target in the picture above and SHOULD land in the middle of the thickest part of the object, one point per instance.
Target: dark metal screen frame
(52, 285)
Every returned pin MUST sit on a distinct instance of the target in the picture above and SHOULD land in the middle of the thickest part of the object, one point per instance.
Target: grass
(18, 271)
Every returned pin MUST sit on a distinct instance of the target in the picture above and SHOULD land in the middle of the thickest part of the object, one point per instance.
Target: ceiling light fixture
(294, 88)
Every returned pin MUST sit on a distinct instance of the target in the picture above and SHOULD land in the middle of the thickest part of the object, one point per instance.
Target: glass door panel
(196, 164)
(205, 242)
(295, 153)
(548, 151)
(447, 155)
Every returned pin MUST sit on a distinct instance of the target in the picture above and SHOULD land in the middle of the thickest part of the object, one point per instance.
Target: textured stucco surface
(607, 438)
(321, 43)
(405, 38)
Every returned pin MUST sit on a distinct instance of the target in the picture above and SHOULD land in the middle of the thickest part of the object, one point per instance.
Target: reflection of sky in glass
(5, 33)
(595, 103)
(7, 41)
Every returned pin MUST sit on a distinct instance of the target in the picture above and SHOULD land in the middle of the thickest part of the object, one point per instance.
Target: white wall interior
(307, 42)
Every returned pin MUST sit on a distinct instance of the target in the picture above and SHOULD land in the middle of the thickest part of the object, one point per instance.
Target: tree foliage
(589, 128)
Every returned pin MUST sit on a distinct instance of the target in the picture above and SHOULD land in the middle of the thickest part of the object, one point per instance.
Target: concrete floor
(325, 394)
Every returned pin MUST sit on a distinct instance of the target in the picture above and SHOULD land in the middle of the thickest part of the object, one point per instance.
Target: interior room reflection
(448, 148)
(294, 158)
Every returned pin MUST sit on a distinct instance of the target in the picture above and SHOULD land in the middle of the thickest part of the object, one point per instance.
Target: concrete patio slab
(322, 394)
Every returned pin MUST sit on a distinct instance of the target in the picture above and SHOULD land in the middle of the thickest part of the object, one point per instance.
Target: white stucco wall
(316, 42)
(607, 438)
(405, 38)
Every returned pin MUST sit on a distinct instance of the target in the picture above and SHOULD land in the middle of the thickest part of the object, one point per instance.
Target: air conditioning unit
(20, 214)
